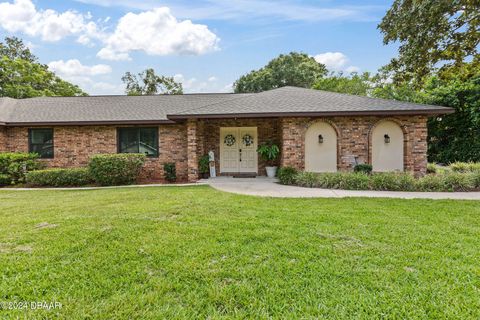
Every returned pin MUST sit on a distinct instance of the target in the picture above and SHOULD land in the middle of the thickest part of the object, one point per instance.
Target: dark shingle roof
(293, 100)
(164, 108)
(102, 108)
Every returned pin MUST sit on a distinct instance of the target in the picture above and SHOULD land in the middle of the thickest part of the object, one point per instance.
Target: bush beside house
(116, 169)
(74, 177)
(15, 165)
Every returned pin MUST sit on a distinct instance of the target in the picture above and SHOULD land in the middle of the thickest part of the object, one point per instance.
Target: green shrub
(430, 183)
(384, 181)
(73, 177)
(307, 179)
(17, 164)
(476, 179)
(465, 166)
(286, 175)
(5, 179)
(365, 168)
(116, 169)
(406, 182)
(457, 181)
(431, 168)
(389, 181)
(354, 181)
(329, 180)
(170, 171)
(204, 164)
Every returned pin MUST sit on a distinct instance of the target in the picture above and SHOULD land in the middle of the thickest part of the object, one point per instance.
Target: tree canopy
(22, 76)
(431, 33)
(294, 69)
(148, 83)
(356, 84)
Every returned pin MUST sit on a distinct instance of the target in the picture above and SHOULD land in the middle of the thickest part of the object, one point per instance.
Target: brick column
(192, 150)
(419, 146)
(293, 143)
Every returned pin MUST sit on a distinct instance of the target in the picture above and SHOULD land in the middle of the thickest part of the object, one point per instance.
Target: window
(41, 141)
(138, 140)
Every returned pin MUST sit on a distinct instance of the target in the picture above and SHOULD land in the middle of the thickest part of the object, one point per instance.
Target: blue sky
(205, 44)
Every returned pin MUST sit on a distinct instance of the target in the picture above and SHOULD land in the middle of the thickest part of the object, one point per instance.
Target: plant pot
(271, 171)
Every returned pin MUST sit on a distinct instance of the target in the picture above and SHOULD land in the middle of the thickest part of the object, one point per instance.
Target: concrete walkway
(265, 187)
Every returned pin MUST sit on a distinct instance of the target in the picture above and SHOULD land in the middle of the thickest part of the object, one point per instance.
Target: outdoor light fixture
(320, 138)
(386, 138)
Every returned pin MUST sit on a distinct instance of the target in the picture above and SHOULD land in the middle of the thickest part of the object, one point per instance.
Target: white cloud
(50, 25)
(157, 32)
(73, 68)
(332, 60)
(109, 54)
(85, 76)
(335, 61)
(193, 85)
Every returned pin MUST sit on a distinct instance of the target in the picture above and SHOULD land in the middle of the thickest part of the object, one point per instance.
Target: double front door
(238, 150)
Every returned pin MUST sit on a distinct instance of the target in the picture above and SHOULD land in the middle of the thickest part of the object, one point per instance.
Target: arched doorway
(387, 147)
(321, 148)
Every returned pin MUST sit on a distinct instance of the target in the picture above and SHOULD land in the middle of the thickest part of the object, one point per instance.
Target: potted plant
(269, 152)
(204, 167)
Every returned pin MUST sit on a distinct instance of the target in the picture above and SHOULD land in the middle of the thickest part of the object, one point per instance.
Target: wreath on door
(247, 140)
(229, 140)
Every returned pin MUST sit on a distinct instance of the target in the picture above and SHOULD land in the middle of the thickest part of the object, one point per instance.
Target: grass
(192, 252)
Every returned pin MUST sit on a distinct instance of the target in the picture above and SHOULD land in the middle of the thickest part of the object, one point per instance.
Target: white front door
(238, 149)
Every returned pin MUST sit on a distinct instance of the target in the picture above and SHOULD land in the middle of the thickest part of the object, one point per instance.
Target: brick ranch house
(316, 130)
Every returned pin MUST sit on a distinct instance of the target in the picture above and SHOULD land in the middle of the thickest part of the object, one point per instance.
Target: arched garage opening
(387, 147)
(321, 148)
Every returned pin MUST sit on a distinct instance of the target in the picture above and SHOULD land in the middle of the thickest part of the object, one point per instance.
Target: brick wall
(73, 146)
(3, 139)
(354, 140)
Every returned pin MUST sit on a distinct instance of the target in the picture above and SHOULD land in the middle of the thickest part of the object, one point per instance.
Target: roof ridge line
(245, 95)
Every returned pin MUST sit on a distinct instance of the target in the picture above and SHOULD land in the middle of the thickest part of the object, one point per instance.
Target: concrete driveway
(266, 187)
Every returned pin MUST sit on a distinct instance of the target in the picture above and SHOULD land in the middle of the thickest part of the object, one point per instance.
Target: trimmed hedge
(74, 177)
(450, 181)
(5, 179)
(17, 164)
(116, 169)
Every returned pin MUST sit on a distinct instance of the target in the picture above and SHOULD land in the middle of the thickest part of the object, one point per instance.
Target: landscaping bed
(456, 177)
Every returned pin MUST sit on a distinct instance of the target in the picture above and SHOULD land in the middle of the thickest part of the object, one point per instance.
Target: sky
(205, 44)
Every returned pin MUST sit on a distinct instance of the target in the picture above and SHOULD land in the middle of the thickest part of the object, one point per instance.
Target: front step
(245, 175)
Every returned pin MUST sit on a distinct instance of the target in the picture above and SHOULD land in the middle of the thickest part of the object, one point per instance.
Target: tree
(294, 69)
(356, 84)
(14, 48)
(454, 137)
(148, 83)
(22, 76)
(432, 33)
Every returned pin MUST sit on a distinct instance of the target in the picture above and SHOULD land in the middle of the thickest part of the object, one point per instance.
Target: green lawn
(193, 252)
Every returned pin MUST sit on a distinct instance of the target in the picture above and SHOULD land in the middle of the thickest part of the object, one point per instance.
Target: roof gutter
(432, 112)
(86, 123)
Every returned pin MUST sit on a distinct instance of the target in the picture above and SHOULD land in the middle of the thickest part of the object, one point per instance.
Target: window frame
(30, 143)
(138, 129)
